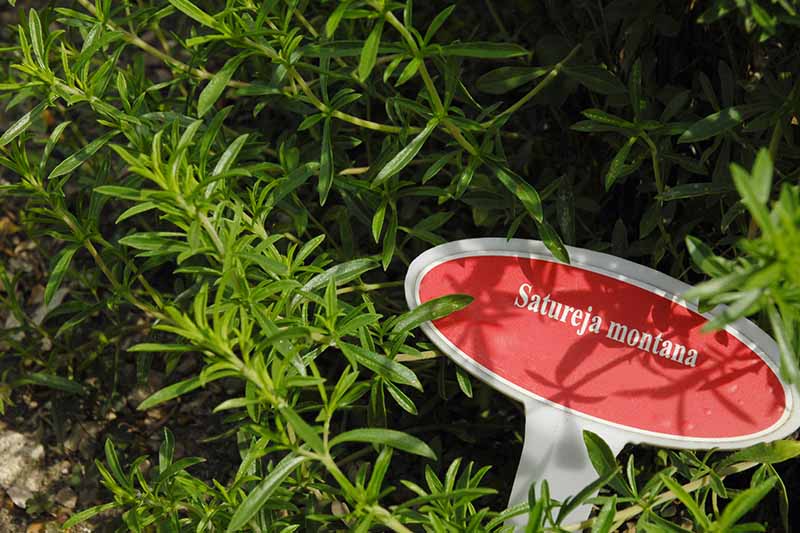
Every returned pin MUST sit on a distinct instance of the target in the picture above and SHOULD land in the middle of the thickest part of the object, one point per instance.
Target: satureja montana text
(585, 321)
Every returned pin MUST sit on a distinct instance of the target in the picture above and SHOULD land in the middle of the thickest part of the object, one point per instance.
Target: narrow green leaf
(764, 19)
(408, 72)
(377, 221)
(389, 240)
(600, 454)
(716, 286)
(261, 494)
(76, 159)
(762, 176)
(325, 162)
(86, 514)
(437, 22)
(369, 54)
(693, 190)
(402, 399)
(22, 124)
(617, 166)
(342, 273)
(635, 87)
(431, 310)
(236, 403)
(194, 12)
(712, 125)
(746, 302)
(520, 188)
(389, 369)
(744, 502)
(166, 451)
(686, 499)
(161, 347)
(585, 493)
(464, 383)
(51, 381)
(211, 92)
(59, 270)
(595, 78)
(603, 460)
(765, 452)
(303, 430)
(37, 41)
(391, 67)
(126, 193)
(590, 126)
(600, 116)
(389, 437)
(676, 104)
(335, 18)
(553, 241)
(535, 510)
(464, 179)
(605, 519)
(112, 460)
(749, 191)
(704, 258)
(178, 466)
(379, 472)
(170, 392)
(229, 155)
(52, 141)
(716, 11)
(783, 499)
(436, 167)
(789, 366)
(504, 79)
(478, 50)
(406, 155)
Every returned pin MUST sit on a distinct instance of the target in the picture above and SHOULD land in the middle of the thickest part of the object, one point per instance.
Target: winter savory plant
(228, 195)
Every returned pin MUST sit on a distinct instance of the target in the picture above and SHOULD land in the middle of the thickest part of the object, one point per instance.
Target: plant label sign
(601, 344)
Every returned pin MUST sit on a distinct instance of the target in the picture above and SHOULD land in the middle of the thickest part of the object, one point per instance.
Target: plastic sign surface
(600, 344)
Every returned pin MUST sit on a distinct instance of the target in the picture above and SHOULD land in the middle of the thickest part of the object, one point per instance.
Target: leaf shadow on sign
(593, 373)
(727, 367)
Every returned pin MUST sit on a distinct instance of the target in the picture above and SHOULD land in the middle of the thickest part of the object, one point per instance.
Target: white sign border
(623, 270)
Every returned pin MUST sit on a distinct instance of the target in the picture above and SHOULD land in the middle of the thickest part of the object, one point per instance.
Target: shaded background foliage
(243, 187)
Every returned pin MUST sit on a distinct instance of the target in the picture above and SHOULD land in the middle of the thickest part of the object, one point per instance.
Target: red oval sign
(598, 342)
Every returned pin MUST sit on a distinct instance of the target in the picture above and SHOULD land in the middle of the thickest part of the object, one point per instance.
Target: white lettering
(666, 349)
(555, 310)
(577, 316)
(583, 320)
(633, 337)
(678, 353)
(534, 305)
(523, 293)
(545, 301)
(644, 344)
(617, 331)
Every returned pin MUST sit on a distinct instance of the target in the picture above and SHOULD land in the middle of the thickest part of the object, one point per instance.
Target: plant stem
(366, 287)
(630, 512)
(201, 73)
(436, 101)
(548, 79)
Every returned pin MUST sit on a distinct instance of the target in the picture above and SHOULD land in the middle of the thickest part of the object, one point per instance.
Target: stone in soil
(21, 469)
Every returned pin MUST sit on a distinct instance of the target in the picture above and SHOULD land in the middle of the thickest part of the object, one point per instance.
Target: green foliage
(244, 184)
